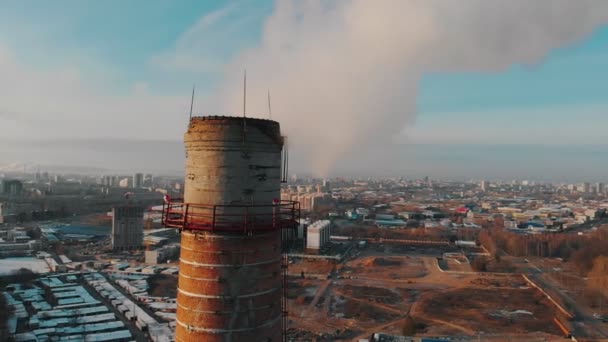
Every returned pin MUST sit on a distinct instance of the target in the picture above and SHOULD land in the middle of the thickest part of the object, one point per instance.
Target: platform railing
(232, 217)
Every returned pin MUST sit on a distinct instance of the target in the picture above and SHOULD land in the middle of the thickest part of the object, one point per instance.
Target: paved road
(582, 313)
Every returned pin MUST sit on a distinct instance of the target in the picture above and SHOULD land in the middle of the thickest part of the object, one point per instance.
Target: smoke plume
(344, 74)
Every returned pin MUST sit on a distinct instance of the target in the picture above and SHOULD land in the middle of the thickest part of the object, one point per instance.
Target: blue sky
(565, 89)
(570, 75)
(121, 37)
(140, 51)
(126, 37)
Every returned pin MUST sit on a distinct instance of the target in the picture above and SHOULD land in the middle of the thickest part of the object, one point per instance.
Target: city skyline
(425, 161)
(78, 86)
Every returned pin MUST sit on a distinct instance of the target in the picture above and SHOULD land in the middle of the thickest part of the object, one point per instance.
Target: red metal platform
(231, 218)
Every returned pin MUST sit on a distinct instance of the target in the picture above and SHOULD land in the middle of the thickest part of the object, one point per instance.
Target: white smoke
(345, 74)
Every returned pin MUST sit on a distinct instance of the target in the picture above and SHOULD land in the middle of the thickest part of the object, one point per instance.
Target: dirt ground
(515, 282)
(456, 263)
(369, 293)
(376, 290)
(491, 310)
(402, 267)
(311, 267)
(362, 311)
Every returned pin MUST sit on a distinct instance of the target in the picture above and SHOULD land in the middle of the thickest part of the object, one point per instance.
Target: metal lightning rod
(244, 110)
(269, 109)
(192, 101)
(244, 92)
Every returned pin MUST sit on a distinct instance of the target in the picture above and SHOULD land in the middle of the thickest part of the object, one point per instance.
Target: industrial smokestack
(232, 270)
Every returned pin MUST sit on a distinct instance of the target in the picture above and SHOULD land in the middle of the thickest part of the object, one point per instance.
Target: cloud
(345, 74)
(208, 45)
(71, 102)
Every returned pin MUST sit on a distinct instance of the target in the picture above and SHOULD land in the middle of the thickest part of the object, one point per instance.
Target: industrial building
(18, 235)
(162, 255)
(61, 310)
(232, 272)
(318, 234)
(127, 227)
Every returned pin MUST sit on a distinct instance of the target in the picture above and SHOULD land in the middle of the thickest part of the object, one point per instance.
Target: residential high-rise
(326, 185)
(127, 227)
(318, 234)
(600, 188)
(11, 187)
(138, 180)
(107, 181)
(484, 185)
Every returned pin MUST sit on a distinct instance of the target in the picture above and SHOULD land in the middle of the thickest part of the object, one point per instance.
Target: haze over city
(509, 89)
